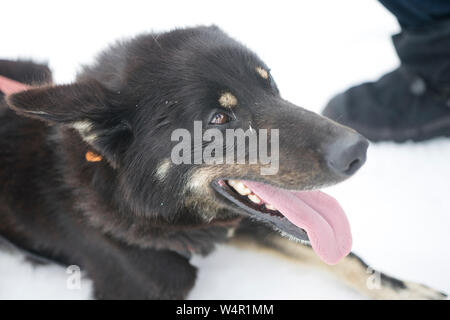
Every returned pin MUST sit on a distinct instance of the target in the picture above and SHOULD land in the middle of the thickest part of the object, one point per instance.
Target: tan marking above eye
(227, 100)
(262, 72)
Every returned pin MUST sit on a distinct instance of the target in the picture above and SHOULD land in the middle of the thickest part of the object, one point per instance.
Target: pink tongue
(319, 214)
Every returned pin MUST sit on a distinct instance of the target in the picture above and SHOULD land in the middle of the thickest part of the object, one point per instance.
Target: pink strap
(8, 86)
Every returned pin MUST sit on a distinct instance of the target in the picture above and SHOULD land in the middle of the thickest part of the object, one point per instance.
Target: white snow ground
(398, 204)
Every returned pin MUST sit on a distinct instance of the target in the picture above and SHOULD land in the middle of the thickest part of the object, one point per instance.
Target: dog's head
(143, 97)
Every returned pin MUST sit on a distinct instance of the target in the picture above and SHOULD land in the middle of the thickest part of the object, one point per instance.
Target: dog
(87, 177)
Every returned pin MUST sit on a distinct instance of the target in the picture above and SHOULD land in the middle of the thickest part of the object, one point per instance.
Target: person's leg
(418, 13)
(413, 101)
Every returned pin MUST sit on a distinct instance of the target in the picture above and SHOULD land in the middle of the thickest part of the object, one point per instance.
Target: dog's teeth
(239, 187)
(254, 198)
(242, 189)
(270, 207)
(232, 182)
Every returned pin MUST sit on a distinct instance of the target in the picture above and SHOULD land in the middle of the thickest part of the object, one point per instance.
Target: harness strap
(9, 86)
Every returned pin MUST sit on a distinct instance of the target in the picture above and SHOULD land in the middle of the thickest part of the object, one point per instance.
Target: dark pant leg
(418, 13)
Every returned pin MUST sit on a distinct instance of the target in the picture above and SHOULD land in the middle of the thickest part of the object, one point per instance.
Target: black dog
(86, 175)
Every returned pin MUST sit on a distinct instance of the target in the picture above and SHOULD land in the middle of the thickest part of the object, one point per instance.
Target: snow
(398, 204)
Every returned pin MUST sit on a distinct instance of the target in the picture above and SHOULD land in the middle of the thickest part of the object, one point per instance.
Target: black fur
(130, 231)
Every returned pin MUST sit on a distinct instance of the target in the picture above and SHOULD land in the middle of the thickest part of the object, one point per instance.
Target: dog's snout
(347, 154)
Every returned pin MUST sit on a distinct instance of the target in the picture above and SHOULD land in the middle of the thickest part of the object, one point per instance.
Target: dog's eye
(220, 118)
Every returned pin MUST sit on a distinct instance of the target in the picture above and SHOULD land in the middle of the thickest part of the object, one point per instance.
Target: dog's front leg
(129, 272)
(351, 269)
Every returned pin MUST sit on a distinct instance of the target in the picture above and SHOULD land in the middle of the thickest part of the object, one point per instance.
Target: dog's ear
(65, 104)
(88, 107)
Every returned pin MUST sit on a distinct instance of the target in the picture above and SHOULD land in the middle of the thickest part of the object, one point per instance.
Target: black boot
(410, 103)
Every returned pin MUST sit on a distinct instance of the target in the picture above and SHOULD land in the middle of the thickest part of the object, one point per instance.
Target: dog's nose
(347, 154)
